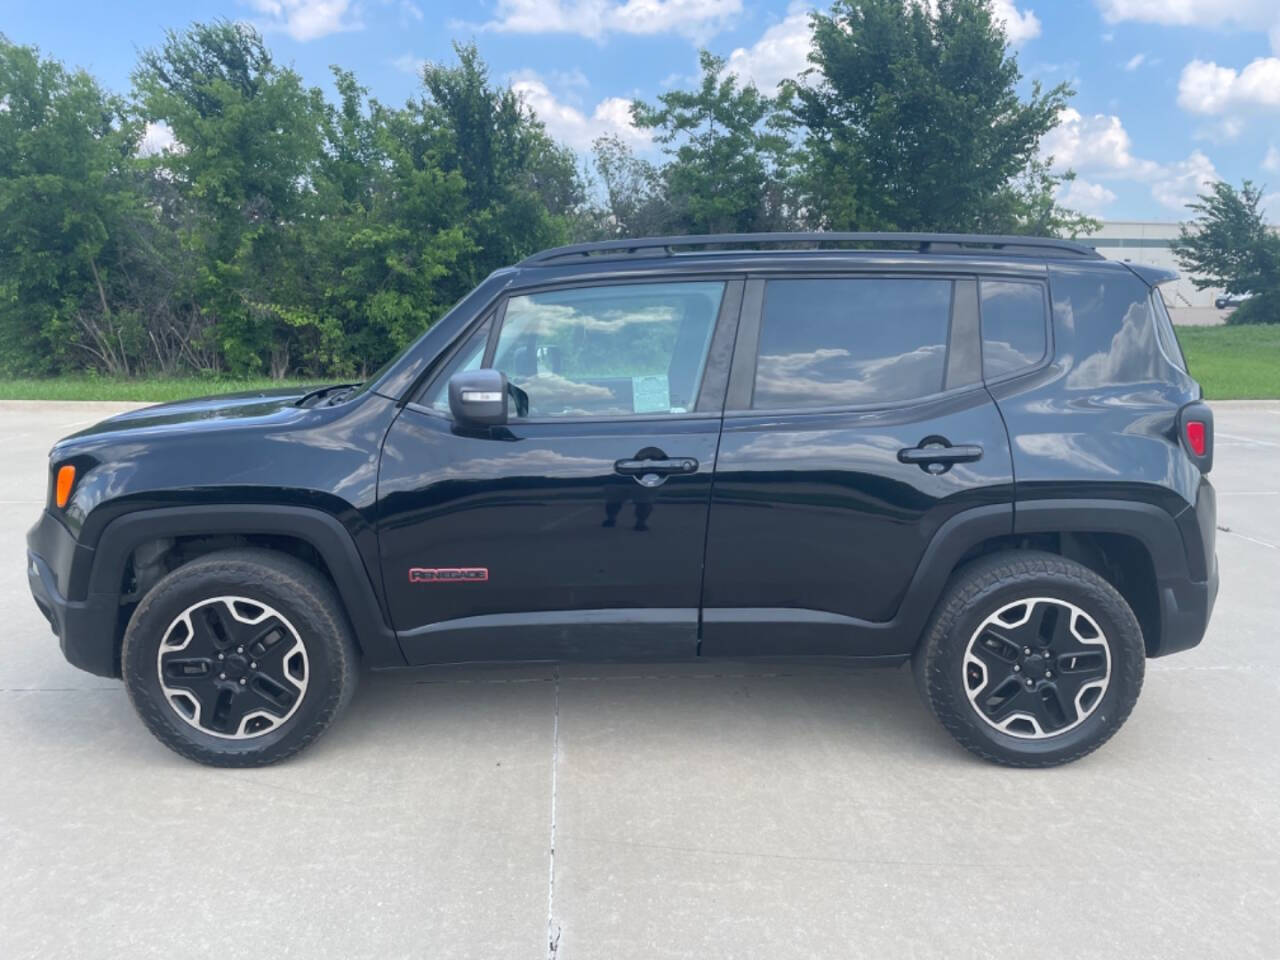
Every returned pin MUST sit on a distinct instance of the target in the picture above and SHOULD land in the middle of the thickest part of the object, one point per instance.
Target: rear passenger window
(851, 341)
(1014, 325)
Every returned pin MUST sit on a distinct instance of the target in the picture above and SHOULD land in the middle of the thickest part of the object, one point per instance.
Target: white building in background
(1147, 242)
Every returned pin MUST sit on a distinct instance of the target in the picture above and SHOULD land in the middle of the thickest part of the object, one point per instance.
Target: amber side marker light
(62, 489)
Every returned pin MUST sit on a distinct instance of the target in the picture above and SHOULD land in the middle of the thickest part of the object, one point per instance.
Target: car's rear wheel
(239, 658)
(1031, 659)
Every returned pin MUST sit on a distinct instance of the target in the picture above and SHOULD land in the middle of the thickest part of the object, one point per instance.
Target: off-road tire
(301, 595)
(978, 591)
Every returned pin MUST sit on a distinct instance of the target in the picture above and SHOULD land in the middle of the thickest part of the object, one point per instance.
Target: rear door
(856, 425)
(577, 530)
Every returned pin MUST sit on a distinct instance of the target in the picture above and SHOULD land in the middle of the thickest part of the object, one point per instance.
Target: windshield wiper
(307, 399)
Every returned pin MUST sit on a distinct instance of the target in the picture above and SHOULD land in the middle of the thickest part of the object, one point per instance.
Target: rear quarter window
(1015, 322)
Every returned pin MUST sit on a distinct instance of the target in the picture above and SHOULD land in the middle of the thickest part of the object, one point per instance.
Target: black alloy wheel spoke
(996, 651)
(231, 677)
(1014, 698)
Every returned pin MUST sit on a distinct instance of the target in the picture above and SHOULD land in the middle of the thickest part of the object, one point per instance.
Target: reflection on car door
(579, 529)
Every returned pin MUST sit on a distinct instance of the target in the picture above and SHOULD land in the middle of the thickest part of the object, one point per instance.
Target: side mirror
(478, 398)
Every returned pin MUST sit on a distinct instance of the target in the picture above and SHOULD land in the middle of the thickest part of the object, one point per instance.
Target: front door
(578, 530)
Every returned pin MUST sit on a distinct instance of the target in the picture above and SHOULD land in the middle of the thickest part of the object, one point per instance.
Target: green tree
(1229, 244)
(384, 233)
(249, 137)
(913, 121)
(522, 189)
(635, 202)
(65, 189)
(730, 153)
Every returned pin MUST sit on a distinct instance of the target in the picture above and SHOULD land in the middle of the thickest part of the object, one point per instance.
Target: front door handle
(639, 468)
(937, 454)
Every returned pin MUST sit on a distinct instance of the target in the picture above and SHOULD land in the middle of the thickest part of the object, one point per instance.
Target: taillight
(1195, 428)
(1196, 438)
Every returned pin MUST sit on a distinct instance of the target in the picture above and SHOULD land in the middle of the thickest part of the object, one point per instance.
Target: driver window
(609, 351)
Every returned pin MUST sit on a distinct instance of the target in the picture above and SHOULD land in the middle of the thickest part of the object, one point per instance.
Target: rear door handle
(937, 454)
(637, 468)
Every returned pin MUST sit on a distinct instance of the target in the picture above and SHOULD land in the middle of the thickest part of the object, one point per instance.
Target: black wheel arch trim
(323, 532)
(1152, 525)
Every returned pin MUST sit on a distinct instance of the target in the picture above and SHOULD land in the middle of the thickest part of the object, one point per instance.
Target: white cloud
(1215, 14)
(408, 63)
(572, 126)
(1086, 197)
(308, 19)
(595, 18)
(1134, 62)
(781, 52)
(1180, 183)
(1100, 146)
(1019, 26)
(1271, 162)
(1097, 144)
(410, 10)
(157, 138)
(1205, 87)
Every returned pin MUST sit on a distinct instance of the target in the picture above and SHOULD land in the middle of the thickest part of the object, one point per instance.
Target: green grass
(149, 391)
(1234, 363)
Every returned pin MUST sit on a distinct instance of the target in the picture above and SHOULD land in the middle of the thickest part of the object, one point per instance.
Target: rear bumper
(1185, 609)
(86, 629)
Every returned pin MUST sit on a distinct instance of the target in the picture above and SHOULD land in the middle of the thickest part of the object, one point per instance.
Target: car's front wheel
(239, 658)
(1031, 659)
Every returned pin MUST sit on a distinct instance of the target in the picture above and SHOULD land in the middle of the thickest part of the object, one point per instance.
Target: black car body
(793, 484)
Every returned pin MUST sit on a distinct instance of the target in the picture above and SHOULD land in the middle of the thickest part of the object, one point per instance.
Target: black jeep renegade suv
(980, 454)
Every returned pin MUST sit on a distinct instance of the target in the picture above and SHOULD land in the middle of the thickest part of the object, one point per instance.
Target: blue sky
(1171, 93)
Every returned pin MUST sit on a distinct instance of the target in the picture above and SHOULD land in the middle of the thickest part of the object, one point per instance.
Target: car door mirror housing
(479, 398)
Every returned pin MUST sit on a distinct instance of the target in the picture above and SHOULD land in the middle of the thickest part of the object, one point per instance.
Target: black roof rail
(923, 243)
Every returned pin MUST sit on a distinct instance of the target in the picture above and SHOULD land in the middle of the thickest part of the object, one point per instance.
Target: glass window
(469, 357)
(1013, 326)
(851, 341)
(609, 351)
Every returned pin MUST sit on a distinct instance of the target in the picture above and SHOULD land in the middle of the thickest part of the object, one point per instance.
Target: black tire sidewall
(990, 589)
(300, 599)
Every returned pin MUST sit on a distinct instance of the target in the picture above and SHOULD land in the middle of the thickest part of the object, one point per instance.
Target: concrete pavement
(620, 812)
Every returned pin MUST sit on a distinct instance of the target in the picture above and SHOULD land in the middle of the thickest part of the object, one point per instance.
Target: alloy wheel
(1037, 668)
(233, 667)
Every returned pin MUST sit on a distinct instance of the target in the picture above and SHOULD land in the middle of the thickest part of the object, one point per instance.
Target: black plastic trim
(1154, 526)
(964, 337)
(324, 533)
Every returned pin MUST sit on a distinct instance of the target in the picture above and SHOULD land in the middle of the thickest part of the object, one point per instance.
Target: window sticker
(651, 394)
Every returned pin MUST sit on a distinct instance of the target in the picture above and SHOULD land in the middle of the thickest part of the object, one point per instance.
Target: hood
(198, 414)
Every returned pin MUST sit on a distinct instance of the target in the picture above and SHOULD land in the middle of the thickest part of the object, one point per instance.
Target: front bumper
(86, 629)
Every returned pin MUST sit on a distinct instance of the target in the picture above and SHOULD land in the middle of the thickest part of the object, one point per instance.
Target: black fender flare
(1152, 525)
(322, 531)
(1148, 523)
